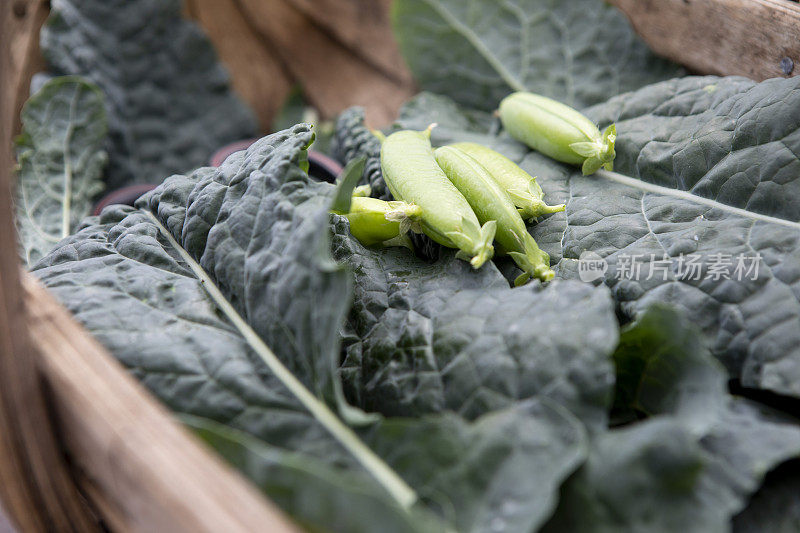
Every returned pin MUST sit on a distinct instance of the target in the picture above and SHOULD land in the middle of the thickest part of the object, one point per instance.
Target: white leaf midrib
(388, 478)
(478, 44)
(66, 209)
(685, 195)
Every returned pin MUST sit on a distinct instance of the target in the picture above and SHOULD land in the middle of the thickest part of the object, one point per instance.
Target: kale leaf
(707, 171)
(60, 161)
(214, 264)
(581, 51)
(169, 101)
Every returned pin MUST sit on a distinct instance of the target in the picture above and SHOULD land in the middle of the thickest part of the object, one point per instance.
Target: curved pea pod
(491, 202)
(362, 191)
(413, 176)
(374, 221)
(558, 131)
(526, 194)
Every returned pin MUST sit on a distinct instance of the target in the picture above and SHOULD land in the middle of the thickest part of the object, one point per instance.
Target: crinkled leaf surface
(662, 367)
(61, 158)
(677, 479)
(256, 230)
(169, 101)
(775, 508)
(257, 227)
(183, 349)
(424, 337)
(735, 143)
(352, 139)
(685, 470)
(311, 490)
(496, 474)
(694, 464)
(705, 166)
(477, 51)
(122, 265)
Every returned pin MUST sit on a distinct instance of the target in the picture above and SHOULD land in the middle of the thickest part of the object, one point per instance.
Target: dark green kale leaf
(426, 337)
(169, 101)
(580, 52)
(216, 263)
(725, 155)
(182, 345)
(695, 462)
(706, 167)
(658, 475)
(259, 237)
(662, 366)
(775, 508)
(352, 139)
(60, 160)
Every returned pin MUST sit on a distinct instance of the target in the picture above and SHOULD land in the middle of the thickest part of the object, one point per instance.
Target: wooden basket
(81, 442)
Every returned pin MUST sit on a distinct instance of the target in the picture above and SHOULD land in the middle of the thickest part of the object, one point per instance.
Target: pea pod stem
(558, 131)
(379, 135)
(523, 189)
(413, 176)
(492, 204)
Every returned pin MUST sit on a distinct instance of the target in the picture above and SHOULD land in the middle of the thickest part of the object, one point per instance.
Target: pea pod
(374, 221)
(491, 202)
(363, 190)
(558, 131)
(413, 176)
(526, 194)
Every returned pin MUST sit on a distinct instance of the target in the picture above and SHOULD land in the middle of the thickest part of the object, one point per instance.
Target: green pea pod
(374, 221)
(491, 202)
(413, 176)
(362, 190)
(558, 131)
(526, 194)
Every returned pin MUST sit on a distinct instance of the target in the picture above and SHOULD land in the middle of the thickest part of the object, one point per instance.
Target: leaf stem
(387, 477)
(479, 45)
(66, 210)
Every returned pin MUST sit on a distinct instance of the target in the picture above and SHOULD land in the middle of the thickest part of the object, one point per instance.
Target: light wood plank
(364, 27)
(23, 46)
(35, 485)
(144, 469)
(332, 76)
(758, 39)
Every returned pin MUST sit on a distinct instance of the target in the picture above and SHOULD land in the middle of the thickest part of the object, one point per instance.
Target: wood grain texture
(362, 26)
(758, 39)
(145, 471)
(5, 524)
(35, 485)
(337, 63)
(27, 17)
